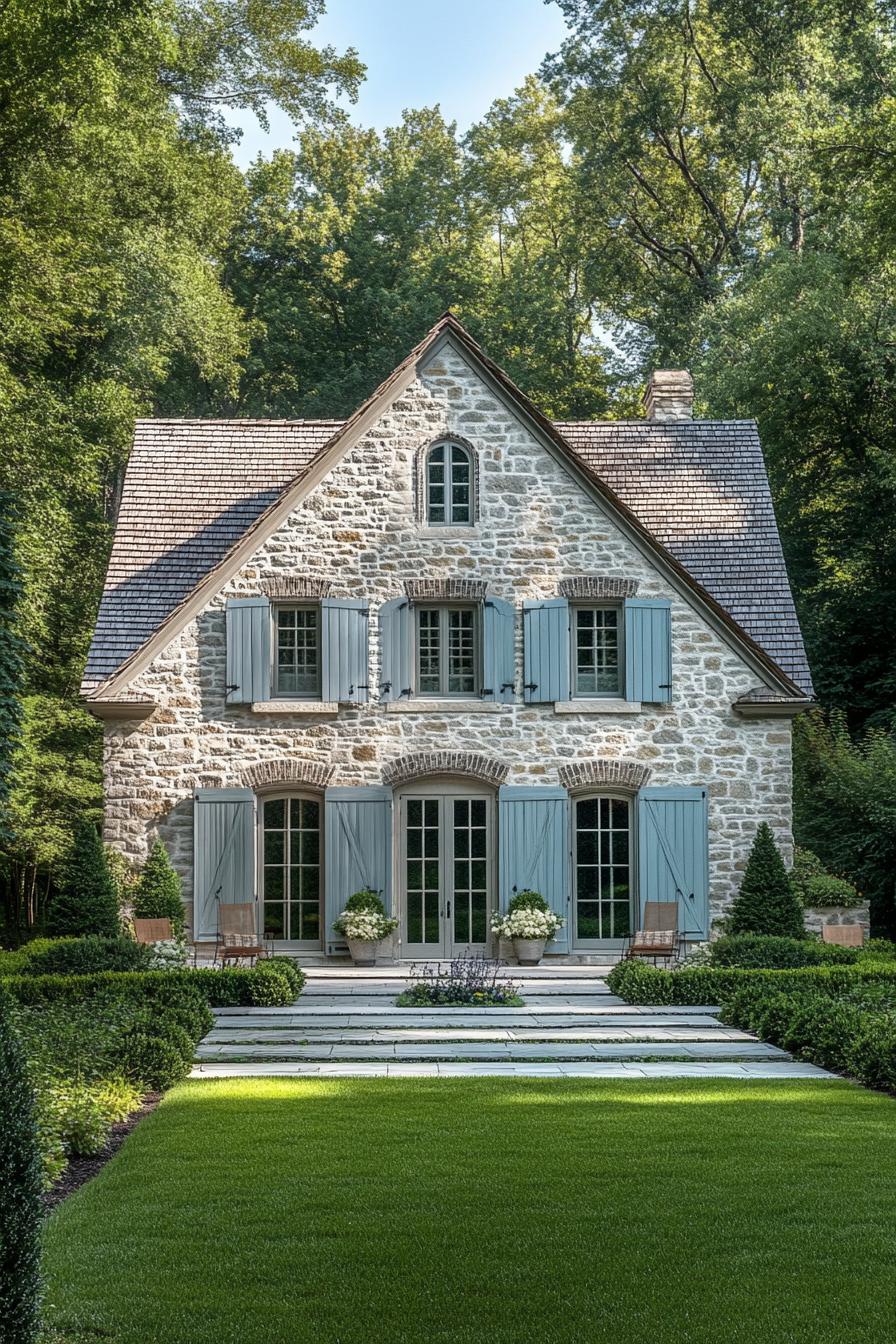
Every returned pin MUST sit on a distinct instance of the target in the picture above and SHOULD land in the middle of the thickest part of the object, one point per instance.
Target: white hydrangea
(527, 923)
(364, 926)
(168, 954)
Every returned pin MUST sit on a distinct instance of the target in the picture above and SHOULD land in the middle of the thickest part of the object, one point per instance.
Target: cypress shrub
(766, 902)
(86, 900)
(20, 1192)
(157, 894)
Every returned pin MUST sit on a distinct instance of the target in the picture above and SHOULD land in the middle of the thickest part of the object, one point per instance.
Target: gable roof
(199, 496)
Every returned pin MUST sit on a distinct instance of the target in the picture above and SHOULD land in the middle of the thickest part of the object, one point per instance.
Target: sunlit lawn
(488, 1210)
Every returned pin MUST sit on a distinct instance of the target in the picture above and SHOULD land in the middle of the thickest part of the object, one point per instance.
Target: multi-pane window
(447, 651)
(297, 670)
(603, 868)
(449, 485)
(597, 662)
(291, 852)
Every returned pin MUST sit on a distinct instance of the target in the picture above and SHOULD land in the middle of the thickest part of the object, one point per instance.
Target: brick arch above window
(605, 771)
(420, 490)
(600, 587)
(273, 774)
(420, 764)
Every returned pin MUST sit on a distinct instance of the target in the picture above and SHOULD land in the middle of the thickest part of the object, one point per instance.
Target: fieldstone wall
(817, 917)
(359, 532)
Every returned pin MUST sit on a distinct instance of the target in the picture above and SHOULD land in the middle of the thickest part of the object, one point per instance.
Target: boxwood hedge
(638, 982)
(275, 982)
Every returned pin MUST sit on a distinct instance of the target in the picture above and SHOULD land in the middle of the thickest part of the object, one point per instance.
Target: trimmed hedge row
(273, 983)
(844, 1035)
(765, 951)
(637, 982)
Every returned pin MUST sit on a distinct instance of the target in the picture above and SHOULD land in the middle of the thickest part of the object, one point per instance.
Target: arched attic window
(448, 474)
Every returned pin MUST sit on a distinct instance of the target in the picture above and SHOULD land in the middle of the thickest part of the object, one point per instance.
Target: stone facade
(359, 532)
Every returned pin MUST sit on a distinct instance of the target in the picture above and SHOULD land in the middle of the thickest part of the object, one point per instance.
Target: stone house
(448, 649)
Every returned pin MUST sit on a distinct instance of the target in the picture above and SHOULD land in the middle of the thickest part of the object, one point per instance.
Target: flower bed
(469, 982)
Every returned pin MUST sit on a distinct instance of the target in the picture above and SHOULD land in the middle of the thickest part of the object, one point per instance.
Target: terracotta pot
(363, 951)
(529, 951)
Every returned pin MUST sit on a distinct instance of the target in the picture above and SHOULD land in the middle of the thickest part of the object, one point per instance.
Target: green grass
(488, 1211)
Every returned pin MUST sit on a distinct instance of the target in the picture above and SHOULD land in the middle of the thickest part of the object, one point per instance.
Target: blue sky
(462, 55)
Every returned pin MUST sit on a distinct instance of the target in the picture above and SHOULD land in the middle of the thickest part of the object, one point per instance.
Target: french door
(445, 856)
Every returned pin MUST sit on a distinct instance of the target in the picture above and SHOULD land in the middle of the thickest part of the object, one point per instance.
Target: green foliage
(366, 900)
(83, 956)
(527, 900)
(637, 982)
(766, 902)
(845, 806)
(157, 894)
(20, 1188)
(277, 985)
(816, 887)
(847, 1034)
(86, 902)
(157, 1055)
(12, 655)
(775, 953)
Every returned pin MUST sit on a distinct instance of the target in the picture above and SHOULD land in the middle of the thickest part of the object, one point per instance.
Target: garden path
(346, 1024)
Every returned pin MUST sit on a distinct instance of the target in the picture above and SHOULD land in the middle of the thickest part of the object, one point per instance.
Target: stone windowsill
(328, 708)
(455, 533)
(597, 706)
(442, 707)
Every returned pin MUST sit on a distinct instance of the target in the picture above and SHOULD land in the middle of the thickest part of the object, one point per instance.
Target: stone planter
(363, 951)
(529, 951)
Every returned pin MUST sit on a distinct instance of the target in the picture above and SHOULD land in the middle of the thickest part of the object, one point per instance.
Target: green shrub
(157, 1060)
(639, 983)
(878, 949)
(366, 899)
(157, 894)
(766, 902)
(816, 887)
(83, 956)
(86, 901)
(527, 900)
(20, 1191)
(16, 963)
(775, 953)
(232, 987)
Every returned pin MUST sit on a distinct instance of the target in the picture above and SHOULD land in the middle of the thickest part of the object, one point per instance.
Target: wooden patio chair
(844, 935)
(152, 930)
(658, 937)
(237, 937)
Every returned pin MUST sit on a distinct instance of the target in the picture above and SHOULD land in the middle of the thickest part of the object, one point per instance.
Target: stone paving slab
(786, 1071)
(495, 1050)
(246, 1036)
(296, 1014)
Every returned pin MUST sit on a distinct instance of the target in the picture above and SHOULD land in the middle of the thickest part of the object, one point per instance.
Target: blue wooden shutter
(344, 623)
(546, 650)
(358, 850)
(673, 854)
(648, 650)
(223, 854)
(248, 649)
(498, 651)
(395, 649)
(533, 849)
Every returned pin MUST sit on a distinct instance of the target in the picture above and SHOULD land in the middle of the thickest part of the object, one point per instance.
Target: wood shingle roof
(193, 488)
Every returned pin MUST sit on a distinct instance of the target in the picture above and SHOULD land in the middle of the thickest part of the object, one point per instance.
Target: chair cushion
(648, 939)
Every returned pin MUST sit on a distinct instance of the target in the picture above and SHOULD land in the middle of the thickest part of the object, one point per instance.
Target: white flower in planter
(527, 922)
(364, 926)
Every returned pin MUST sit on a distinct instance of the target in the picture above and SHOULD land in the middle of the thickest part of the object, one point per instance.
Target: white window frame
(444, 608)
(277, 692)
(449, 447)
(619, 692)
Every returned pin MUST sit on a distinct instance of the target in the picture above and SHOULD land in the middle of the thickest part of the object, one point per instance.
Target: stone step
(639, 1032)
(262, 1019)
(300, 1012)
(493, 1050)
(784, 1070)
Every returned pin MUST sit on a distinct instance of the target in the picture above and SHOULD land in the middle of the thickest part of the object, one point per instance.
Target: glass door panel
(446, 875)
(291, 876)
(602, 860)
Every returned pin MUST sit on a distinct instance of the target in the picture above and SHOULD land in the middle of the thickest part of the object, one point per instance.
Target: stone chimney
(669, 395)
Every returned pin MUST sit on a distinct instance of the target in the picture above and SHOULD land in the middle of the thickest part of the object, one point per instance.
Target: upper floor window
(449, 485)
(597, 651)
(447, 651)
(298, 649)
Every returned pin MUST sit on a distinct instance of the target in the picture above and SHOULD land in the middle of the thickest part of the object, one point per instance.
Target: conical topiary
(766, 902)
(157, 894)
(21, 1212)
(86, 900)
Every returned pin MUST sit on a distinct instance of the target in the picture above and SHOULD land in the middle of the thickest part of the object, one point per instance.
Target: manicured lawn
(488, 1211)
